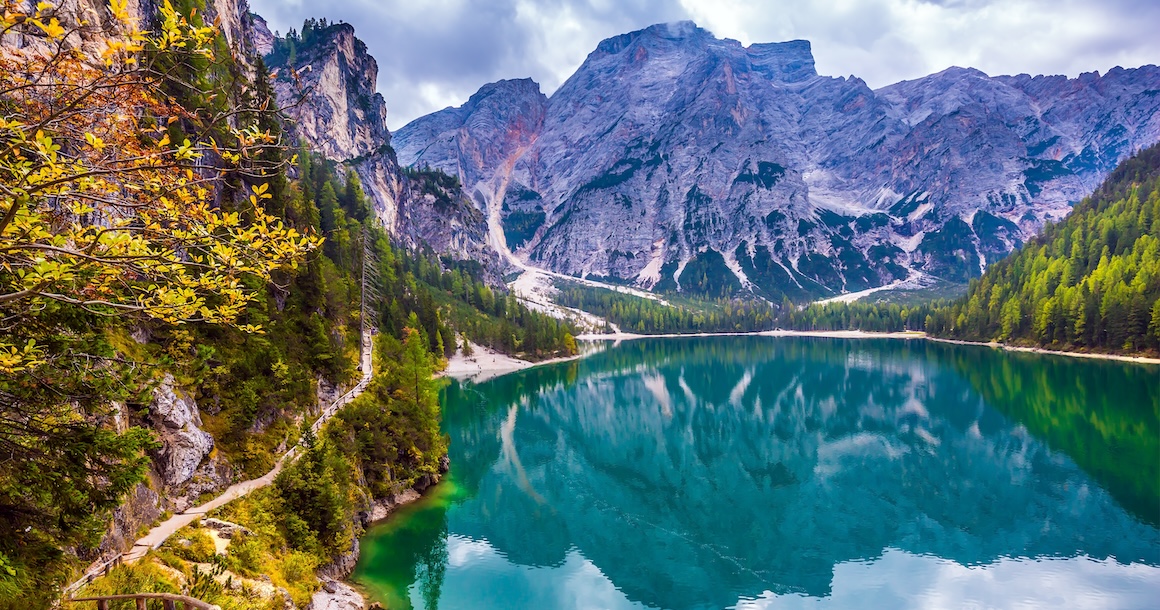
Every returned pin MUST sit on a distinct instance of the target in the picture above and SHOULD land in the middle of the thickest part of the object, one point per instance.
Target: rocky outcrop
(336, 595)
(329, 95)
(670, 150)
(177, 421)
(227, 529)
(383, 507)
(185, 465)
(342, 565)
(140, 508)
(262, 38)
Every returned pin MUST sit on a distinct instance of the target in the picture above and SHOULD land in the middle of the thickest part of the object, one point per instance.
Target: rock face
(178, 422)
(263, 39)
(335, 595)
(329, 93)
(672, 159)
(232, 16)
(141, 507)
(332, 101)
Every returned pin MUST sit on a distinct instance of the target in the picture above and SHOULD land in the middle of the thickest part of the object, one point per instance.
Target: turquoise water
(790, 473)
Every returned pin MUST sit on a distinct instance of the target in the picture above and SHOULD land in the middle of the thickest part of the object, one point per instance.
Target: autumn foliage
(102, 207)
(118, 202)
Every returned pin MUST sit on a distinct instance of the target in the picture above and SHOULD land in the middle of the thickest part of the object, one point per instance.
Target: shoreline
(1051, 352)
(485, 364)
(827, 334)
(866, 334)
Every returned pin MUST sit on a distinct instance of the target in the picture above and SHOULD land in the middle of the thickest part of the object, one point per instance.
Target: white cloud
(438, 52)
(904, 580)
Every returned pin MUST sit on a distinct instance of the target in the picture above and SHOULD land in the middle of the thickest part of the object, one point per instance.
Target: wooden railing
(95, 570)
(169, 601)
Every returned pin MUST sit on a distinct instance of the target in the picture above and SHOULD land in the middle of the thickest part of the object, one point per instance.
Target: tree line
(647, 316)
(1088, 282)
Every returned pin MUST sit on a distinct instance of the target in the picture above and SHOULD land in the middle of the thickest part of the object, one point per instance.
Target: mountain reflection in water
(714, 472)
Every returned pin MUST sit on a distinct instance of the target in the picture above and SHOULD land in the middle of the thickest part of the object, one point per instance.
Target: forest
(155, 226)
(647, 316)
(1090, 282)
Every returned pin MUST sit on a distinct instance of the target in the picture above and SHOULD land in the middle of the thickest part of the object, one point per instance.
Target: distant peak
(677, 30)
(956, 71)
(674, 30)
(515, 86)
(790, 61)
(789, 46)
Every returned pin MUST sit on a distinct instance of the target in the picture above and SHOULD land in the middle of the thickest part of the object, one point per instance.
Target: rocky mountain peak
(325, 81)
(670, 158)
(791, 61)
(676, 31)
(519, 87)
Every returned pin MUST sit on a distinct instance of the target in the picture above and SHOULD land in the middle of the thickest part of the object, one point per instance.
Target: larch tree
(111, 213)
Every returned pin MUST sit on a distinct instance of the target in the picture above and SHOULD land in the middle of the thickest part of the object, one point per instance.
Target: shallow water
(789, 472)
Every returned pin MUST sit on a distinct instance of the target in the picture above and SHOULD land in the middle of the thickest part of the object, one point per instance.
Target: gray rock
(381, 508)
(140, 507)
(668, 143)
(213, 475)
(342, 565)
(330, 96)
(336, 596)
(226, 528)
(178, 423)
(262, 37)
(332, 102)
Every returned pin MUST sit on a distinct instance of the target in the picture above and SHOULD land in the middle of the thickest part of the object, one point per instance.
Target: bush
(193, 544)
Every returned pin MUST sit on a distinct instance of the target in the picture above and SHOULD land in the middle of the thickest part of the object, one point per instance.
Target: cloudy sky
(436, 53)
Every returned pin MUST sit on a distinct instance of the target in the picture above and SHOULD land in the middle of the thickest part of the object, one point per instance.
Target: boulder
(177, 421)
(335, 595)
(227, 529)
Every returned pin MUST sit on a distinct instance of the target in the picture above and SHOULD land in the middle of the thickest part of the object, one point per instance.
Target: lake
(759, 472)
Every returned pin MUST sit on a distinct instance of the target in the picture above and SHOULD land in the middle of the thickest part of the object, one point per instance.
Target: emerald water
(761, 472)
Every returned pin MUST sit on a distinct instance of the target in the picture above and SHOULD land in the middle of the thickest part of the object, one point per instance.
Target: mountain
(672, 159)
(325, 81)
(1090, 282)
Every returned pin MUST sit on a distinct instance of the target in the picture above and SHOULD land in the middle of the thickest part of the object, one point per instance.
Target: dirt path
(159, 534)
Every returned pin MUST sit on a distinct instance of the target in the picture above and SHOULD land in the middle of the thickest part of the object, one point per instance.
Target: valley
(695, 325)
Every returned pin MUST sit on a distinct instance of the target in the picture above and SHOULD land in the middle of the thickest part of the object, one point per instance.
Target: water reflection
(715, 472)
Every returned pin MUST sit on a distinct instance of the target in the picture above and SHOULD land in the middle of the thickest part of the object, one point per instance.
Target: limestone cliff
(325, 82)
(670, 149)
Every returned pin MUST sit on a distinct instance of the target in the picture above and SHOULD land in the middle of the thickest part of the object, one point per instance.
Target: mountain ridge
(668, 144)
(325, 81)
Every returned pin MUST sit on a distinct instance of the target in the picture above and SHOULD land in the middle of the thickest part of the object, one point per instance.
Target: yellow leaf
(52, 29)
(95, 141)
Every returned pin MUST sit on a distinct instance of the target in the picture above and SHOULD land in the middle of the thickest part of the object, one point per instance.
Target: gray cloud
(436, 53)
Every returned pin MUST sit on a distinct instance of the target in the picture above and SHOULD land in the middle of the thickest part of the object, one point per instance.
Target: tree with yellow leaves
(114, 206)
